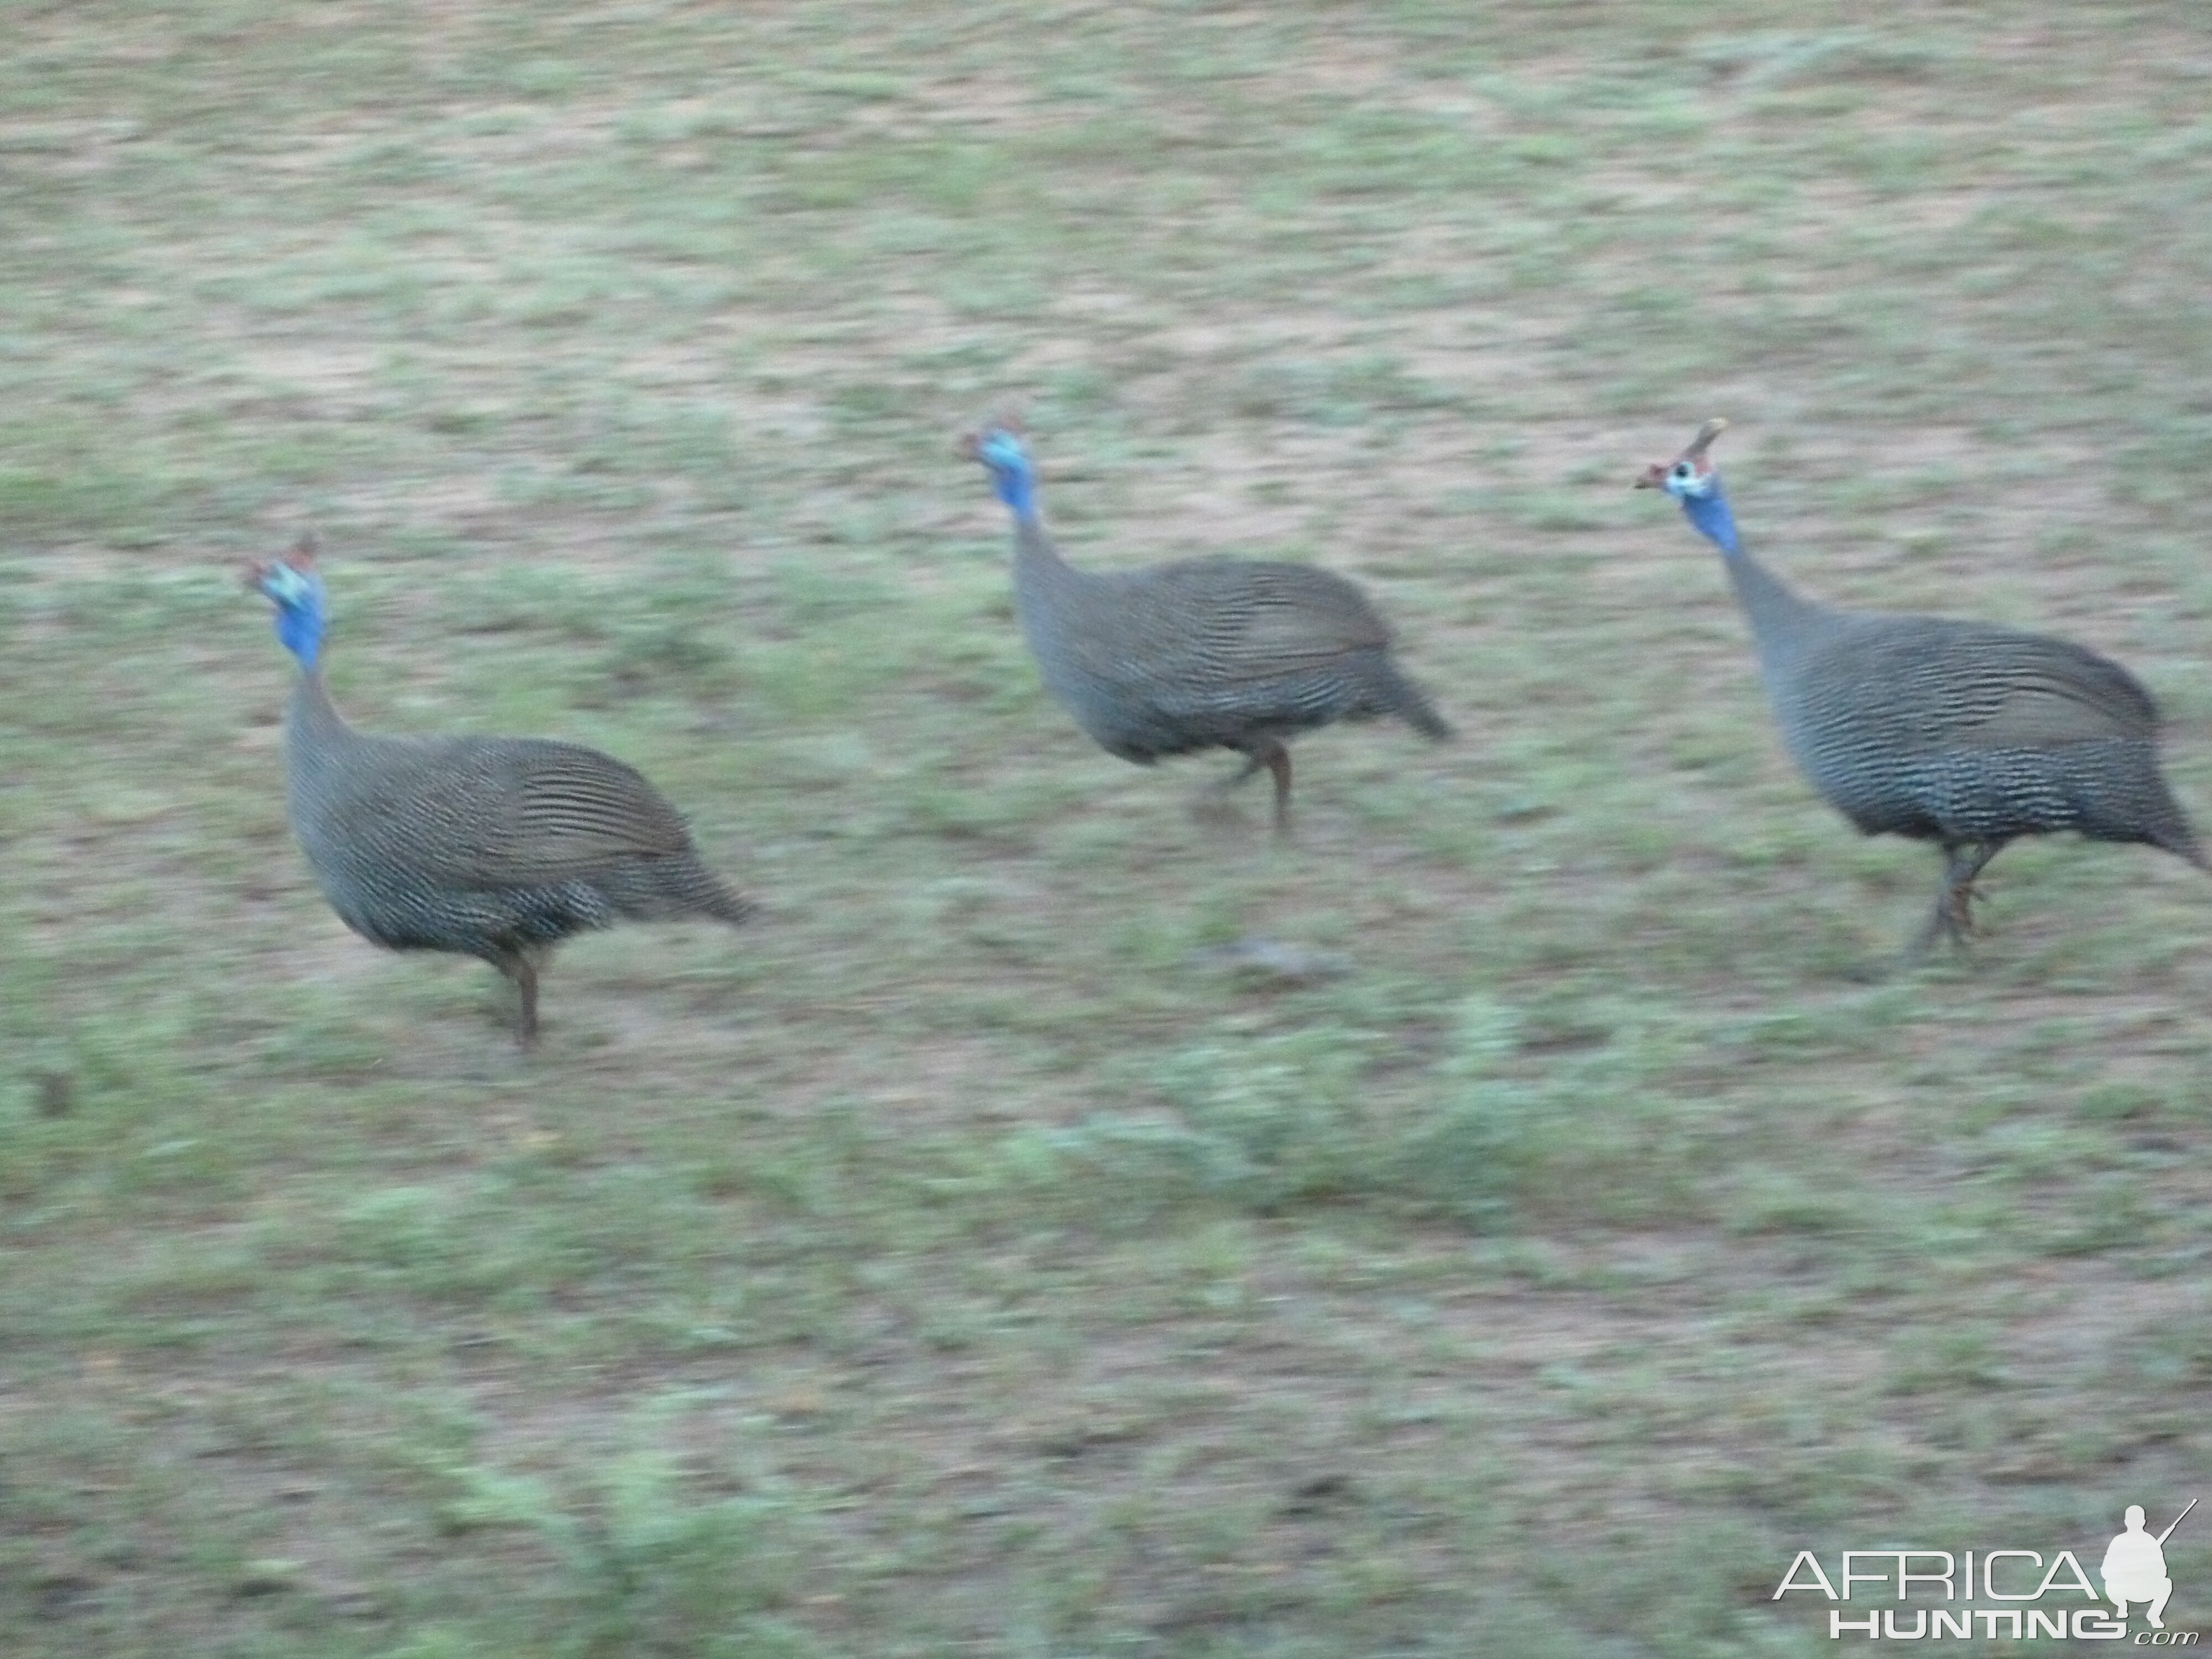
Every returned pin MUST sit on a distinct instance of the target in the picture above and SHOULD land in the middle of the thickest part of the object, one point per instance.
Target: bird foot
(1958, 920)
(1952, 922)
(1215, 809)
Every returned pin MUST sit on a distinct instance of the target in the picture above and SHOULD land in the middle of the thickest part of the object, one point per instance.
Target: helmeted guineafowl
(1959, 732)
(497, 848)
(1201, 653)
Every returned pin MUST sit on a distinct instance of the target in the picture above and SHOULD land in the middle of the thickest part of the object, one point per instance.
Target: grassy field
(962, 1260)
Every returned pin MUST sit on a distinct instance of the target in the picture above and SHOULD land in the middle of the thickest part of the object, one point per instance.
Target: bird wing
(1941, 684)
(490, 812)
(565, 810)
(2043, 716)
(1261, 620)
(2053, 692)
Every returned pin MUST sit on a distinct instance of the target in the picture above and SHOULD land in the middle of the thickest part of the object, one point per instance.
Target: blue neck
(1710, 514)
(1017, 487)
(301, 626)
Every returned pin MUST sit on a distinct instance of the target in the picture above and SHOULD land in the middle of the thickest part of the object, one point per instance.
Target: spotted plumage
(1203, 653)
(496, 848)
(1959, 732)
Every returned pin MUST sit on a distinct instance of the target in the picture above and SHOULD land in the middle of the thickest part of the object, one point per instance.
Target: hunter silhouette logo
(2024, 1594)
(2135, 1566)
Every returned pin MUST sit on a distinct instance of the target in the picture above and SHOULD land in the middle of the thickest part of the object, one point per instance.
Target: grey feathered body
(1959, 732)
(1212, 652)
(496, 848)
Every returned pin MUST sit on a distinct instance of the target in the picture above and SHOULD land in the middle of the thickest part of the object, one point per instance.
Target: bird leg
(521, 970)
(1960, 873)
(1272, 755)
(1953, 917)
(1268, 753)
(1212, 806)
(526, 986)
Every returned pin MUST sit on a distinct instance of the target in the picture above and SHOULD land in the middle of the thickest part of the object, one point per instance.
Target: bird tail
(2171, 829)
(669, 889)
(727, 904)
(1405, 700)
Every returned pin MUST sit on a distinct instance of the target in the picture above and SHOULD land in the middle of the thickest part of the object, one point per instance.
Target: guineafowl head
(1691, 479)
(295, 586)
(1013, 475)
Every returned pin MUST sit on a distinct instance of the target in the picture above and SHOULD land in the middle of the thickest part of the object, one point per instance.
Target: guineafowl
(1202, 653)
(497, 848)
(1959, 732)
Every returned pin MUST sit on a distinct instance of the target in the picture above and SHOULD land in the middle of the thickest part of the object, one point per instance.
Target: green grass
(963, 1259)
